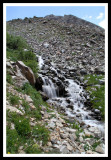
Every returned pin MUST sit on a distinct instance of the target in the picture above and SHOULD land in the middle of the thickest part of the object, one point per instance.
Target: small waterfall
(74, 103)
(49, 88)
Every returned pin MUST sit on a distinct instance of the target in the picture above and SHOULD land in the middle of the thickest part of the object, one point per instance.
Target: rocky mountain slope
(71, 58)
(67, 41)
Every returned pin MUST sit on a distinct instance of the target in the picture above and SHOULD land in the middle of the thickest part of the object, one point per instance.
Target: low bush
(9, 78)
(14, 100)
(16, 52)
(22, 126)
(41, 133)
(13, 140)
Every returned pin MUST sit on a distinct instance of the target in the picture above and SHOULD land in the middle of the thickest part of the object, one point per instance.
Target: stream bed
(72, 102)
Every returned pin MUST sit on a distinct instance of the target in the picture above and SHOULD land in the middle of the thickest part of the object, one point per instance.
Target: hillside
(58, 75)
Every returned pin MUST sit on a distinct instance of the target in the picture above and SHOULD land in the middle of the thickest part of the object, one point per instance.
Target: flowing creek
(73, 103)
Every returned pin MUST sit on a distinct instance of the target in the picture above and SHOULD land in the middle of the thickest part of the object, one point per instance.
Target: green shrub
(15, 51)
(40, 133)
(13, 140)
(33, 149)
(97, 94)
(26, 106)
(15, 42)
(9, 78)
(14, 100)
(22, 126)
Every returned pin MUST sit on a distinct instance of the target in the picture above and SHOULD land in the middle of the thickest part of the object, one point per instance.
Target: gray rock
(100, 149)
(83, 71)
(13, 109)
(27, 72)
(64, 149)
(46, 44)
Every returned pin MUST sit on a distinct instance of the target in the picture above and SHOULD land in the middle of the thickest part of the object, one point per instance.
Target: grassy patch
(9, 78)
(13, 141)
(33, 149)
(22, 126)
(93, 79)
(40, 133)
(18, 50)
(97, 93)
(14, 100)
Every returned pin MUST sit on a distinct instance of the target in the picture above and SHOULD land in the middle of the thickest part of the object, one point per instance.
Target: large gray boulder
(27, 72)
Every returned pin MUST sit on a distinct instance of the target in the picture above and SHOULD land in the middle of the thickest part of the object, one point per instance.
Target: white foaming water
(41, 62)
(49, 88)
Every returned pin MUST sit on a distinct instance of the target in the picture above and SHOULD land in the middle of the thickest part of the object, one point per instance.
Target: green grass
(23, 134)
(97, 94)
(96, 144)
(16, 52)
(9, 78)
(13, 141)
(22, 126)
(33, 149)
(93, 79)
(15, 42)
(39, 132)
(14, 100)
(99, 100)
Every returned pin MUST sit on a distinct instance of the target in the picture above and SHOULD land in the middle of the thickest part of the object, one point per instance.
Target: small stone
(81, 139)
(99, 149)
(28, 99)
(63, 136)
(64, 149)
(12, 126)
(72, 137)
(51, 125)
(89, 152)
(49, 144)
(33, 107)
(88, 134)
(59, 124)
(21, 147)
(71, 130)
(42, 112)
(21, 152)
(69, 147)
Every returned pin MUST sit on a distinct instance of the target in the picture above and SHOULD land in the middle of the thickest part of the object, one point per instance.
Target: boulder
(14, 109)
(27, 72)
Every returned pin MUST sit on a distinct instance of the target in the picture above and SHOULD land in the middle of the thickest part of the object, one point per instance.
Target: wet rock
(70, 106)
(97, 111)
(83, 71)
(44, 96)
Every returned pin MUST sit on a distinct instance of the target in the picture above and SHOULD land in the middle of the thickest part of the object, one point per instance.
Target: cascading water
(49, 88)
(41, 62)
(75, 97)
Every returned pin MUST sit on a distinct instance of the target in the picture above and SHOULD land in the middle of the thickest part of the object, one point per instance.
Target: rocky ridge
(68, 44)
